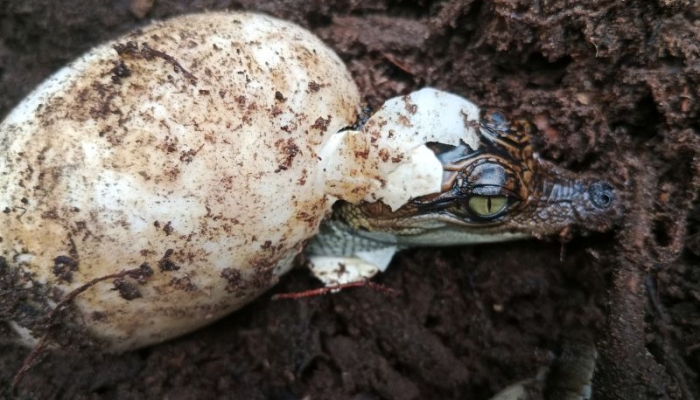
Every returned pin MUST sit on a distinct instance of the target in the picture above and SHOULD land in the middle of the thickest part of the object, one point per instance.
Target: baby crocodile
(500, 190)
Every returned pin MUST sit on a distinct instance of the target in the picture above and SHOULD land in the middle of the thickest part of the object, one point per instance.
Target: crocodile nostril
(601, 194)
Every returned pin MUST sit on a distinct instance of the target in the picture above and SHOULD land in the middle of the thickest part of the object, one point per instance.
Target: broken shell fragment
(396, 164)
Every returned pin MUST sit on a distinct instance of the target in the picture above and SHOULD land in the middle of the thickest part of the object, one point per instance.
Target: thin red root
(331, 288)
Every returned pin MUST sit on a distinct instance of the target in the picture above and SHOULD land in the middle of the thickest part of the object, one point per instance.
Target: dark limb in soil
(570, 375)
(627, 369)
(625, 364)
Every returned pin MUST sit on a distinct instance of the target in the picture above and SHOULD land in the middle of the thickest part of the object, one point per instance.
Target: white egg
(191, 146)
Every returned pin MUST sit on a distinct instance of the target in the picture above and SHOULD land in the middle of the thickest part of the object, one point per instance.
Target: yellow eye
(487, 206)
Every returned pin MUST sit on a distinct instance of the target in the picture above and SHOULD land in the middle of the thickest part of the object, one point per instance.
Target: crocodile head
(499, 190)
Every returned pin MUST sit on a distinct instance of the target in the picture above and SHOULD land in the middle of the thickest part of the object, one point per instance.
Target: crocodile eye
(487, 206)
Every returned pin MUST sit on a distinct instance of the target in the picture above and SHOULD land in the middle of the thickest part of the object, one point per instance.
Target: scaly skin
(526, 197)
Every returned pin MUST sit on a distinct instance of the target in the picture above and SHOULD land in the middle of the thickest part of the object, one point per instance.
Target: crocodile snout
(597, 206)
(601, 194)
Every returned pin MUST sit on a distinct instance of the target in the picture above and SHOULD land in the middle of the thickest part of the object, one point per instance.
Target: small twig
(29, 361)
(331, 288)
(398, 64)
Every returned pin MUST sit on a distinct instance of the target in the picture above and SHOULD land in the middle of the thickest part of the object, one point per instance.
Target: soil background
(613, 88)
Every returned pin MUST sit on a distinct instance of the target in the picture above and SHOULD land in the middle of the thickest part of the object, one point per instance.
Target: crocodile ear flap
(495, 126)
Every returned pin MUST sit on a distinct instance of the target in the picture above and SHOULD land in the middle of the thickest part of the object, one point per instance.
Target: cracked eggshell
(190, 146)
(388, 159)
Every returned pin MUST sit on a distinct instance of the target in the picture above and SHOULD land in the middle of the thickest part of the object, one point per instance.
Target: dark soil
(613, 87)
